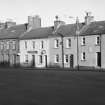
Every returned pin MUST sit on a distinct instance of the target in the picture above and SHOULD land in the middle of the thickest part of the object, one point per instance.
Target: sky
(19, 10)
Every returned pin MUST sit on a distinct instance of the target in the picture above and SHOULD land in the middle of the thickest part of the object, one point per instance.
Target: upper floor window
(33, 44)
(13, 45)
(68, 43)
(1, 45)
(83, 41)
(66, 58)
(7, 45)
(56, 58)
(98, 40)
(56, 43)
(83, 56)
(26, 44)
(42, 44)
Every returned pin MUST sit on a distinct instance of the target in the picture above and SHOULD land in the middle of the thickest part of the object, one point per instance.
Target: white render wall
(90, 48)
(24, 52)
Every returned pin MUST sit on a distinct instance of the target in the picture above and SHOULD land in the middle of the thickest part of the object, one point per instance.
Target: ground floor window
(40, 59)
(83, 56)
(56, 58)
(66, 59)
(26, 58)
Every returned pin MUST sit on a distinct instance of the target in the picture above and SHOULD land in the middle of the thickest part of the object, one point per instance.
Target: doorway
(99, 59)
(71, 61)
(33, 60)
(45, 60)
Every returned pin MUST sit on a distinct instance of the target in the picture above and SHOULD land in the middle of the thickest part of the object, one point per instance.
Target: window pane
(68, 43)
(56, 43)
(33, 44)
(40, 59)
(57, 58)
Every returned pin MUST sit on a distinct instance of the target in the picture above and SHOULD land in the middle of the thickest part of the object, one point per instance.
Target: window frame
(40, 59)
(98, 40)
(66, 58)
(13, 44)
(33, 44)
(68, 43)
(57, 58)
(26, 59)
(83, 41)
(25, 43)
(83, 56)
(56, 43)
(42, 44)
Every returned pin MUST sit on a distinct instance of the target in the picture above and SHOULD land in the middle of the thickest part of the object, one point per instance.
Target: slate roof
(12, 32)
(69, 30)
(65, 30)
(19, 31)
(38, 33)
(94, 28)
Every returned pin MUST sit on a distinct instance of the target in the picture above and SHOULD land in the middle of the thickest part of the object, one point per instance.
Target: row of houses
(63, 45)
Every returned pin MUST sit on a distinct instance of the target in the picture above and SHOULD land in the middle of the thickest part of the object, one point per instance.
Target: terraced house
(9, 44)
(9, 39)
(92, 45)
(63, 45)
(50, 46)
(34, 47)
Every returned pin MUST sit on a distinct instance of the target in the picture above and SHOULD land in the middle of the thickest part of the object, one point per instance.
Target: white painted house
(34, 47)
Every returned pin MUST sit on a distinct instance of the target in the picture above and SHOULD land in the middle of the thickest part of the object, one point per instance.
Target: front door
(71, 61)
(99, 59)
(45, 60)
(33, 60)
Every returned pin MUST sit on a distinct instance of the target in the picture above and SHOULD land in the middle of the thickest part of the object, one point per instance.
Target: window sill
(56, 47)
(56, 62)
(83, 60)
(66, 62)
(68, 47)
(83, 45)
(97, 44)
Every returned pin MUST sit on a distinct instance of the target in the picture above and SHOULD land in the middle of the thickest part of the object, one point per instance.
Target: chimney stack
(34, 22)
(9, 23)
(58, 23)
(88, 18)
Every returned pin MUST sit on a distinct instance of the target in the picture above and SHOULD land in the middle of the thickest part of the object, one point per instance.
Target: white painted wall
(24, 51)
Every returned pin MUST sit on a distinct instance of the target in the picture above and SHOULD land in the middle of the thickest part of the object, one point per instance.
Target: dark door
(99, 59)
(33, 60)
(71, 61)
(18, 60)
(45, 60)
